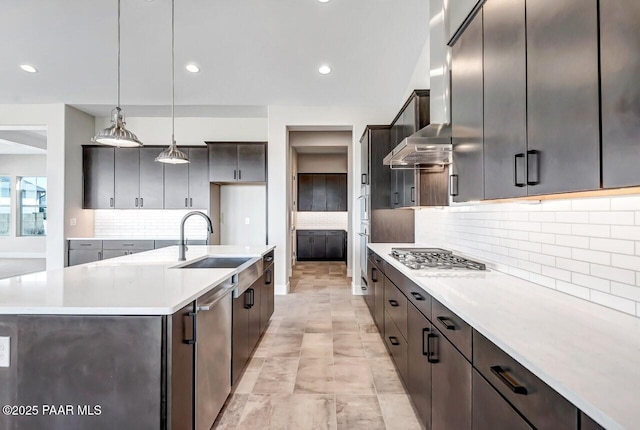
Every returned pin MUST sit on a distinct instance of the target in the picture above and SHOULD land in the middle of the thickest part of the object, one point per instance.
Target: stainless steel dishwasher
(213, 353)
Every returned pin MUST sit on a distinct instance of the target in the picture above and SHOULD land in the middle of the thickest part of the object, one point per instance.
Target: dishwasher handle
(192, 317)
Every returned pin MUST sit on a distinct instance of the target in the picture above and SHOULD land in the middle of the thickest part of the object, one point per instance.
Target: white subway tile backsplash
(322, 220)
(588, 247)
(147, 224)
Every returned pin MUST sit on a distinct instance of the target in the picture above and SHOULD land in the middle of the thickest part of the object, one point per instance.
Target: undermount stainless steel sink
(217, 263)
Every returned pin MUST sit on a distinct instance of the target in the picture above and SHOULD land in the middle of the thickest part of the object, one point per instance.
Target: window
(33, 206)
(5, 205)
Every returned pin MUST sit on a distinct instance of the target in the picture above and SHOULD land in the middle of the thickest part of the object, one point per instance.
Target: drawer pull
(394, 303)
(417, 296)
(431, 355)
(374, 271)
(363, 288)
(508, 380)
(427, 352)
(394, 340)
(446, 322)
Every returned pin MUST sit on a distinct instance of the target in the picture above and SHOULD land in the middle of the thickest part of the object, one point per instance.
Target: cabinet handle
(363, 180)
(111, 202)
(250, 295)
(364, 285)
(374, 271)
(394, 340)
(136, 202)
(268, 259)
(446, 322)
(413, 194)
(141, 202)
(192, 317)
(417, 296)
(426, 353)
(515, 170)
(536, 166)
(394, 303)
(453, 185)
(432, 356)
(190, 202)
(235, 173)
(239, 174)
(508, 380)
(186, 202)
(396, 199)
(270, 278)
(99, 255)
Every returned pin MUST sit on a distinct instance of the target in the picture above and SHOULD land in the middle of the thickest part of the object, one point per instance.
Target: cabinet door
(127, 178)
(305, 192)
(151, 180)
(304, 246)
(254, 297)
(364, 158)
(409, 188)
(252, 162)
(319, 246)
(198, 178)
(620, 64)
(418, 366)
(176, 186)
(335, 247)
(336, 185)
(378, 285)
(466, 114)
(505, 99)
(319, 197)
(380, 175)
(112, 253)
(77, 256)
(223, 162)
(98, 177)
(240, 337)
(397, 183)
(451, 386)
(491, 411)
(267, 299)
(562, 96)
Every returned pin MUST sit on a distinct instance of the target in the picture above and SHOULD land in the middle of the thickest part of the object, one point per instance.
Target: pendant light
(117, 134)
(172, 155)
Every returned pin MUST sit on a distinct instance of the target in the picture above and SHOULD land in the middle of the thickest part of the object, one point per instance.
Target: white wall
(280, 204)
(239, 204)
(14, 246)
(588, 247)
(320, 138)
(51, 116)
(322, 163)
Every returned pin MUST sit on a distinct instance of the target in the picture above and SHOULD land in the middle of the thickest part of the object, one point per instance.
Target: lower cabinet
(419, 335)
(240, 336)
(397, 345)
(79, 256)
(491, 411)
(316, 245)
(267, 298)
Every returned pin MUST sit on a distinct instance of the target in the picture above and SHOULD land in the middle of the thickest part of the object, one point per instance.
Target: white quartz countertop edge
(617, 407)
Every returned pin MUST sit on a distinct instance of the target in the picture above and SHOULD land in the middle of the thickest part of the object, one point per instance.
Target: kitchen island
(139, 341)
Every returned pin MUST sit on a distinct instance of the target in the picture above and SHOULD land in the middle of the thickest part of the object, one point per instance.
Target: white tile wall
(147, 224)
(588, 247)
(322, 220)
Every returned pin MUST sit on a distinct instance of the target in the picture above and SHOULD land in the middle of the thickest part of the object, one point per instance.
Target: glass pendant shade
(172, 155)
(117, 134)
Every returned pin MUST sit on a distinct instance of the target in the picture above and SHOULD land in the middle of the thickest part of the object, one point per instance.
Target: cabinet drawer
(395, 304)
(397, 345)
(491, 411)
(335, 232)
(419, 297)
(453, 327)
(377, 260)
(312, 232)
(128, 244)
(543, 407)
(85, 244)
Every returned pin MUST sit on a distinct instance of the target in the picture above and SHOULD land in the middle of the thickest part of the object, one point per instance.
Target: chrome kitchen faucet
(183, 245)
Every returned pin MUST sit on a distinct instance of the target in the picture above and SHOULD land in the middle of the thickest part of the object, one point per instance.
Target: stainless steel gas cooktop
(433, 258)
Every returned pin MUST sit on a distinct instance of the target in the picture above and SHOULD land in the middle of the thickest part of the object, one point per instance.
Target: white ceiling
(252, 53)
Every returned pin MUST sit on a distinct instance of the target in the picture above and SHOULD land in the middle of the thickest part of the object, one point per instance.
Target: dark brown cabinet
(491, 411)
(240, 336)
(562, 96)
(467, 114)
(98, 177)
(419, 333)
(620, 68)
(254, 310)
(321, 245)
(187, 185)
(237, 162)
(320, 192)
(139, 179)
(267, 297)
(505, 99)
(375, 144)
(375, 292)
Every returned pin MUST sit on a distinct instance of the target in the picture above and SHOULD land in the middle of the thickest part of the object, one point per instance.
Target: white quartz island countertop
(586, 352)
(148, 283)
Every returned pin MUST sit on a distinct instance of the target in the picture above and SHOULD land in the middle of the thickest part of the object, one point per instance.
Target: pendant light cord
(173, 78)
(118, 80)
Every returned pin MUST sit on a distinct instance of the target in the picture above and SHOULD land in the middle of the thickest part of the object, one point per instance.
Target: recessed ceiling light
(324, 69)
(324, 1)
(192, 68)
(28, 68)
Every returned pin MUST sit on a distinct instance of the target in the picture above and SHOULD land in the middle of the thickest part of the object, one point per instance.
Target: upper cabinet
(138, 179)
(187, 185)
(319, 192)
(237, 162)
(467, 114)
(376, 177)
(505, 99)
(98, 177)
(620, 68)
(563, 152)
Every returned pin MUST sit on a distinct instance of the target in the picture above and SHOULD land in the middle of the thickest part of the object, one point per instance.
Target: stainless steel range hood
(428, 147)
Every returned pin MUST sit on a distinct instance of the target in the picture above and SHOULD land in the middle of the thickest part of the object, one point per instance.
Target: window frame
(20, 206)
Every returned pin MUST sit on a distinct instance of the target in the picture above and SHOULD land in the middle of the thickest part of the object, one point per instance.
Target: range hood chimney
(429, 147)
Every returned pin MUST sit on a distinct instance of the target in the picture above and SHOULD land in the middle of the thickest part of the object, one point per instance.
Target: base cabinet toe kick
(456, 377)
(169, 372)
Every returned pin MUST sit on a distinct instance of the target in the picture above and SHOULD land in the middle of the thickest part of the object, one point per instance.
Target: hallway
(320, 365)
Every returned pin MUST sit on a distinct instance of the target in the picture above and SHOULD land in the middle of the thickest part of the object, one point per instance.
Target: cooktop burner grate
(433, 258)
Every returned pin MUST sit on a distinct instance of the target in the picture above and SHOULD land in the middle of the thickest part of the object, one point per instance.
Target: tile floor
(320, 365)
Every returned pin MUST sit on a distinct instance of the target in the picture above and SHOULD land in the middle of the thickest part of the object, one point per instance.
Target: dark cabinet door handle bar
(417, 296)
(374, 274)
(111, 202)
(394, 340)
(413, 194)
(533, 166)
(186, 202)
(363, 180)
(426, 353)
(269, 279)
(508, 380)
(431, 355)
(141, 202)
(453, 185)
(446, 322)
(192, 317)
(515, 170)
(136, 202)
(394, 303)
